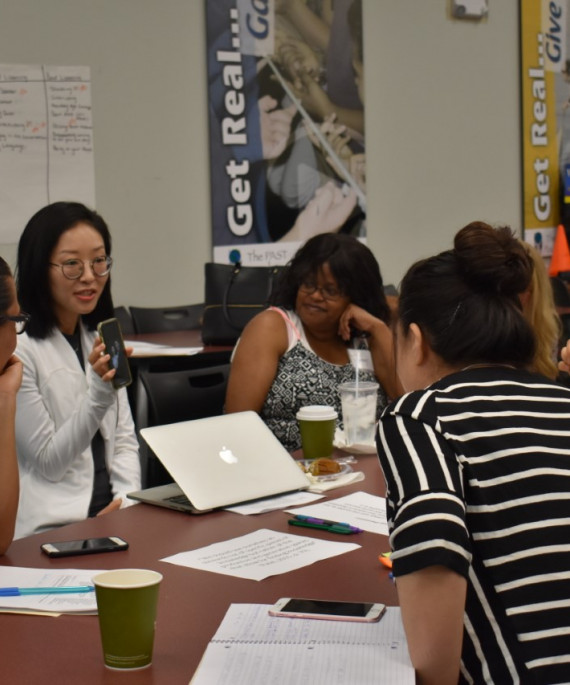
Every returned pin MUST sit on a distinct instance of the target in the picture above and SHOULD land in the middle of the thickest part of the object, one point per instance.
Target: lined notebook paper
(252, 648)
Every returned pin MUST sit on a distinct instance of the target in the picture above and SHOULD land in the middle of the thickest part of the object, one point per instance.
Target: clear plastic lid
(317, 412)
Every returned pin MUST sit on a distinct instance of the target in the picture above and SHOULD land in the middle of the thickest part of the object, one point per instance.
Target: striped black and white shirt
(477, 468)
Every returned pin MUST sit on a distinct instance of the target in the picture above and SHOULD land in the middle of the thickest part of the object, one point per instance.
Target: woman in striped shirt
(476, 457)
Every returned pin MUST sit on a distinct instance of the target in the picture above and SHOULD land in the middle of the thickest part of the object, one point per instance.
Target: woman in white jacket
(77, 448)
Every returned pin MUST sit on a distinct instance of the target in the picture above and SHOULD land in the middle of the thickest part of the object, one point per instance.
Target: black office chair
(125, 319)
(181, 395)
(560, 292)
(565, 333)
(159, 319)
(390, 290)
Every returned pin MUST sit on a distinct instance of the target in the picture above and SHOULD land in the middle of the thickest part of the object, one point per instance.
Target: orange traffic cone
(560, 260)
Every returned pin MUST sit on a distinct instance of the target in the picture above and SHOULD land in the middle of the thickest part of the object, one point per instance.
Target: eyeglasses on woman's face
(74, 268)
(328, 292)
(20, 320)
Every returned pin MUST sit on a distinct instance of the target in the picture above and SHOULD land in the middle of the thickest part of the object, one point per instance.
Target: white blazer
(59, 409)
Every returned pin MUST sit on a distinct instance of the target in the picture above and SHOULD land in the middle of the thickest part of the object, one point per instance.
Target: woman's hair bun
(491, 260)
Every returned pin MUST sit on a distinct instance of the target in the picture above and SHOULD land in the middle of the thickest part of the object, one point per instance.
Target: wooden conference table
(67, 649)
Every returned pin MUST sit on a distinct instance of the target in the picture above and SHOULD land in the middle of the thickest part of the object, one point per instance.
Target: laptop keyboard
(179, 499)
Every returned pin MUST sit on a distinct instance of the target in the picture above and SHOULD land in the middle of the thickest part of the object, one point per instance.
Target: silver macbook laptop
(219, 461)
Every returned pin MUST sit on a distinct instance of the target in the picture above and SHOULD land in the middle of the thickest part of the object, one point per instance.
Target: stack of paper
(145, 349)
(74, 603)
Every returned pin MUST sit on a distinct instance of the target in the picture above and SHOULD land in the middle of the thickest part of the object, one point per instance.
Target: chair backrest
(186, 394)
(180, 395)
(125, 319)
(565, 333)
(159, 319)
(560, 292)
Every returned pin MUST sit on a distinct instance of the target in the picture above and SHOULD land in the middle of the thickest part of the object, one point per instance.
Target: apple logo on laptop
(228, 456)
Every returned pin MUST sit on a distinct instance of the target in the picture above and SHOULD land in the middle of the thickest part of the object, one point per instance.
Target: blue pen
(61, 590)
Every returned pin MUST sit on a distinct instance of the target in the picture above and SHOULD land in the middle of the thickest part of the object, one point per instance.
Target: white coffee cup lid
(317, 412)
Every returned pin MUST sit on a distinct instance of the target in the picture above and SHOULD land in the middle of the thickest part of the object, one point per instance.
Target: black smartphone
(112, 336)
(365, 612)
(88, 546)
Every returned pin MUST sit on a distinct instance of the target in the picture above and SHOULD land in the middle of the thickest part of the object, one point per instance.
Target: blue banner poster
(286, 125)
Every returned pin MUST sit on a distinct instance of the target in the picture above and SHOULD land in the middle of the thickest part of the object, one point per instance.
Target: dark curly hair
(352, 264)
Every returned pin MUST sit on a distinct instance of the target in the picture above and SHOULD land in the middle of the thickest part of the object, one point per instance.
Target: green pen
(331, 528)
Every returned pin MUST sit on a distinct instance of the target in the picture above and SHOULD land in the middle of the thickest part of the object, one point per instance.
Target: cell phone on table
(365, 612)
(88, 546)
(112, 336)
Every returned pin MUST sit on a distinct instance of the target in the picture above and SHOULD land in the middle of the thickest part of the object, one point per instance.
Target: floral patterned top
(302, 379)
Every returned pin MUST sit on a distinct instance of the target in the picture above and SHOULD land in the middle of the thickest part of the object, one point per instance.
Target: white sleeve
(41, 446)
(124, 464)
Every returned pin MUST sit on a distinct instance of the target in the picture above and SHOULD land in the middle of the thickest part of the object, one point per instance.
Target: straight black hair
(466, 300)
(352, 264)
(36, 245)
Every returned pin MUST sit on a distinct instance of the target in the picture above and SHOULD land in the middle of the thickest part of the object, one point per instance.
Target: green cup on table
(317, 425)
(126, 601)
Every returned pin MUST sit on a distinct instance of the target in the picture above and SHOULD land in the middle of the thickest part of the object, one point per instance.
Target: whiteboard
(46, 141)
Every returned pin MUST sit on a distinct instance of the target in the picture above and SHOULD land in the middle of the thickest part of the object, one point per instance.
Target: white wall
(442, 127)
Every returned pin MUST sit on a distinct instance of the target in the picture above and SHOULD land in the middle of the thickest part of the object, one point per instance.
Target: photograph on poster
(286, 125)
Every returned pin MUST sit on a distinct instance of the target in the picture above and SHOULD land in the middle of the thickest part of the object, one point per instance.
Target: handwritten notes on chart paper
(261, 554)
(46, 141)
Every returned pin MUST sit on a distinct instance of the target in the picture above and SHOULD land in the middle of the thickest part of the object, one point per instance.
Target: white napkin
(319, 487)
(340, 443)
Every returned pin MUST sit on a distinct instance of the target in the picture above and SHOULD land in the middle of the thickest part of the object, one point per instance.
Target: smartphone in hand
(112, 337)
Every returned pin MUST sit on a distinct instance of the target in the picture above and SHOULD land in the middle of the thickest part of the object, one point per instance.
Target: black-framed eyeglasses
(74, 268)
(328, 292)
(20, 320)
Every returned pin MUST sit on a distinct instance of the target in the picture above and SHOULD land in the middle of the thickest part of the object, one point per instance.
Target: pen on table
(331, 526)
(312, 519)
(58, 590)
(385, 560)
